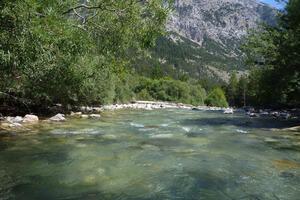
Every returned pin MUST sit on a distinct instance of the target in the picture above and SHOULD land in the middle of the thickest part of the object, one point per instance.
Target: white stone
(84, 116)
(76, 114)
(30, 119)
(58, 118)
(228, 111)
(95, 116)
(15, 125)
(17, 119)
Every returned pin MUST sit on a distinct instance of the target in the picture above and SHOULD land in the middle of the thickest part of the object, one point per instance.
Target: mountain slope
(205, 36)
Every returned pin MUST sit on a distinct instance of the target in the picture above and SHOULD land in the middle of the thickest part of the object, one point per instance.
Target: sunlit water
(139, 155)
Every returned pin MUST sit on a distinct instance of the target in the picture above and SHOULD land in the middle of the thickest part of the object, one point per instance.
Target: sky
(273, 3)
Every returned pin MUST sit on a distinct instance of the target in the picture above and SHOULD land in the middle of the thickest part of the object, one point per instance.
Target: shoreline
(148, 105)
(90, 112)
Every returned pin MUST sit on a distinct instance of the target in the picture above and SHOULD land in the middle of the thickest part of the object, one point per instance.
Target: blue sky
(273, 3)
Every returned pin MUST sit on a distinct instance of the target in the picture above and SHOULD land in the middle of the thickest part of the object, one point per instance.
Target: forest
(70, 53)
(272, 53)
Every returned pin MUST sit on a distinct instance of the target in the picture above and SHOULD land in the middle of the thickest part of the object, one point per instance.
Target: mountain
(205, 36)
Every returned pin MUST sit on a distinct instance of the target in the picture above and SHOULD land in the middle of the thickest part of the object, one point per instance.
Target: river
(149, 155)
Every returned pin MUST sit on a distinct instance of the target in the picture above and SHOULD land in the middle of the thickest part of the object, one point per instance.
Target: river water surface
(145, 155)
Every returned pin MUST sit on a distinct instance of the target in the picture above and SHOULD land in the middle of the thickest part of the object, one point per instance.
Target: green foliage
(274, 53)
(241, 95)
(65, 52)
(170, 90)
(216, 98)
(232, 88)
(186, 57)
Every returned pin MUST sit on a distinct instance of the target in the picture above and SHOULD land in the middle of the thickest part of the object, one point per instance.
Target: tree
(73, 53)
(232, 89)
(275, 53)
(242, 91)
(216, 98)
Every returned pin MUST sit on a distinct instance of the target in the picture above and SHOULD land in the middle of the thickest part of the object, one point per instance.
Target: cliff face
(218, 20)
(205, 36)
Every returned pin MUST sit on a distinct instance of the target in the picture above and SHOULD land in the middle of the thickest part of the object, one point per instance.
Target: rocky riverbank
(85, 112)
(149, 105)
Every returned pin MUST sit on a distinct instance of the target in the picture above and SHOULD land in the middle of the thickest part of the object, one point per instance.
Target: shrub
(216, 98)
(170, 90)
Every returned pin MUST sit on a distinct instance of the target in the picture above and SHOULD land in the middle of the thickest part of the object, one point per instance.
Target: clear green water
(139, 155)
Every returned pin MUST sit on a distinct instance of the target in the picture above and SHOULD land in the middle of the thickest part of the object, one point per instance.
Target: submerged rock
(286, 164)
(15, 125)
(109, 137)
(150, 147)
(287, 175)
(271, 140)
(264, 113)
(30, 119)
(285, 115)
(90, 180)
(194, 134)
(12, 126)
(58, 118)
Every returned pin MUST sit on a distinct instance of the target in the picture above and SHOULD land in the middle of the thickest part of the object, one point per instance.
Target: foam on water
(164, 125)
(162, 136)
(186, 129)
(137, 125)
(241, 131)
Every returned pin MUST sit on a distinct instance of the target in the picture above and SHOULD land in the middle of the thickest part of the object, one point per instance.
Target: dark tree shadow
(240, 121)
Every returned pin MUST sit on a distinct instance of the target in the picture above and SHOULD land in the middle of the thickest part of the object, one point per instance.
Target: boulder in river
(228, 111)
(12, 120)
(30, 119)
(58, 118)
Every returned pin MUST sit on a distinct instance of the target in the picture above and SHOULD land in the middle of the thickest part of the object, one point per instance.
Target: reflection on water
(168, 154)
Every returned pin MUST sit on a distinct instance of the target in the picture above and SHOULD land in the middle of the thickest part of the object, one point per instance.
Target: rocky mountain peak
(206, 36)
(219, 20)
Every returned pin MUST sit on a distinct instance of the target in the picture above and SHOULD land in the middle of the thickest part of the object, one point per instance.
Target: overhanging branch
(82, 6)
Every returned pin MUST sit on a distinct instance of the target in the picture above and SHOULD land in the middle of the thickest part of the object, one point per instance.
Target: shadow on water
(240, 121)
(193, 185)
